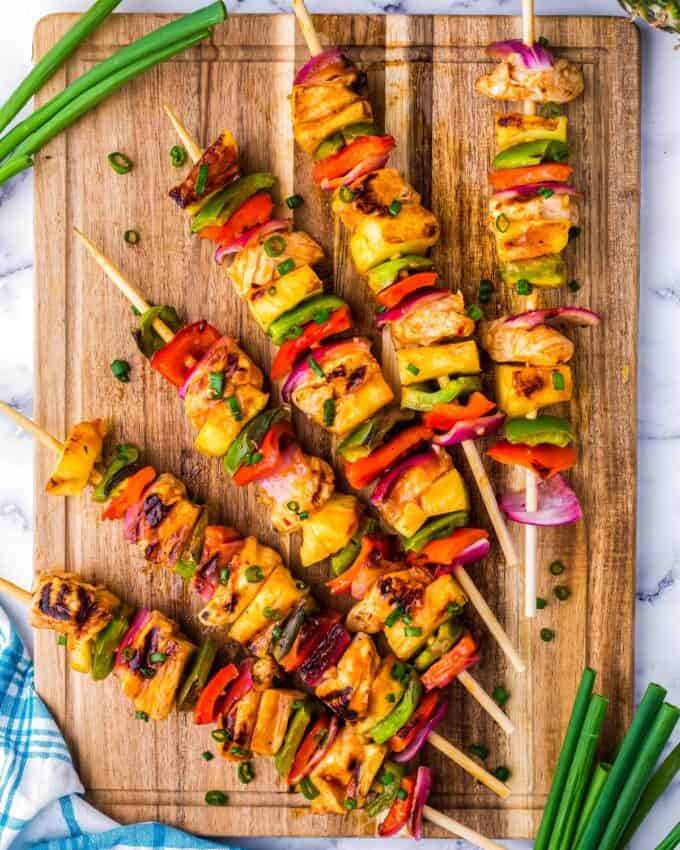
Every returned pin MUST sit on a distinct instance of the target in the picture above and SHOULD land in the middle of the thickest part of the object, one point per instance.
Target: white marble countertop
(658, 577)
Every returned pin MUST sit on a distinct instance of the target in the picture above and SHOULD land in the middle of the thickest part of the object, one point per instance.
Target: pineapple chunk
(310, 134)
(515, 128)
(384, 684)
(329, 528)
(437, 361)
(521, 390)
(447, 494)
(221, 428)
(524, 240)
(80, 658)
(378, 238)
(360, 404)
(273, 716)
(82, 449)
(267, 304)
(274, 602)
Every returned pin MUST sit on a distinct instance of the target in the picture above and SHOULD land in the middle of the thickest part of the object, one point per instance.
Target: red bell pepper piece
(312, 742)
(206, 709)
(270, 449)
(179, 356)
(361, 472)
(445, 669)
(446, 550)
(308, 638)
(371, 562)
(349, 157)
(444, 416)
(398, 291)
(426, 708)
(256, 210)
(545, 459)
(508, 178)
(400, 812)
(312, 333)
(130, 494)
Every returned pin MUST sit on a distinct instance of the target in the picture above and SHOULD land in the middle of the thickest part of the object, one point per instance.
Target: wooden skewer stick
(456, 828)
(11, 589)
(193, 149)
(492, 708)
(307, 27)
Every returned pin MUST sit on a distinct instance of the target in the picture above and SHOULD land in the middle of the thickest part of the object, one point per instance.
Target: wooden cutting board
(421, 72)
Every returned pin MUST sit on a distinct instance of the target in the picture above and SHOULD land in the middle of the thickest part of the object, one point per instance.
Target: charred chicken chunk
(523, 74)
(64, 603)
(220, 164)
(372, 195)
(433, 321)
(347, 686)
(539, 346)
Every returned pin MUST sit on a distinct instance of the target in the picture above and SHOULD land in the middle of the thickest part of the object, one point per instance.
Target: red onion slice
(182, 391)
(470, 429)
(535, 58)
(419, 741)
(474, 552)
(371, 163)
(271, 226)
(557, 505)
(578, 316)
(389, 479)
(420, 795)
(140, 619)
(238, 688)
(317, 63)
(535, 189)
(410, 303)
(319, 755)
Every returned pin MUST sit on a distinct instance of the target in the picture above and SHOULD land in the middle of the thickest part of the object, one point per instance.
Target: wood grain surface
(421, 72)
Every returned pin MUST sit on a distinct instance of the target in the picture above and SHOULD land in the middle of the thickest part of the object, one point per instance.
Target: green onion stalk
(89, 99)
(594, 790)
(55, 58)
(672, 840)
(150, 45)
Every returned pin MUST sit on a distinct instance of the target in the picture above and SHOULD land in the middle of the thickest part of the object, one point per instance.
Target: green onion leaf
(474, 313)
(294, 201)
(216, 384)
(270, 613)
(329, 412)
(216, 798)
(524, 287)
(61, 640)
(314, 366)
(142, 715)
(286, 266)
(246, 774)
(120, 162)
(558, 381)
(394, 208)
(202, 179)
(274, 246)
(413, 369)
(562, 592)
(541, 603)
(121, 370)
(254, 575)
(547, 635)
(346, 195)
(557, 568)
(207, 756)
(235, 408)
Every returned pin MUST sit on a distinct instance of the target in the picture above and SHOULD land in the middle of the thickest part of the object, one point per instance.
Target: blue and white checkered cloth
(40, 803)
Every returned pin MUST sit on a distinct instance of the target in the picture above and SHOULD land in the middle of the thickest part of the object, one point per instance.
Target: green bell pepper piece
(435, 529)
(318, 307)
(549, 270)
(445, 638)
(386, 791)
(344, 559)
(147, 339)
(543, 429)
(386, 273)
(187, 565)
(283, 761)
(106, 644)
(292, 626)
(532, 153)
(120, 468)
(198, 675)
(400, 714)
(356, 131)
(250, 438)
(415, 397)
(220, 208)
(371, 433)
(329, 146)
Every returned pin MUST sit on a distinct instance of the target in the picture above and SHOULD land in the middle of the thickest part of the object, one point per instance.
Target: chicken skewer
(469, 447)
(58, 602)
(490, 620)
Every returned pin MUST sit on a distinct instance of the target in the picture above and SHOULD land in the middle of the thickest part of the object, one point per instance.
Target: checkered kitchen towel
(40, 806)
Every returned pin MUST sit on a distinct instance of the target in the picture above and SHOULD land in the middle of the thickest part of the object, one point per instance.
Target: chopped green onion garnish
(121, 370)
(549, 110)
(479, 751)
(301, 585)
(499, 695)
(303, 515)
(314, 366)
(387, 778)
(402, 794)
(293, 506)
(502, 223)
(274, 246)
(390, 698)
(406, 619)
(574, 285)
(177, 155)
(216, 384)
(216, 798)
(277, 632)
(224, 575)
(454, 608)
(142, 715)
(129, 653)
(329, 412)
(547, 635)
(246, 773)
(413, 369)
(207, 756)
(543, 41)
(394, 615)
(254, 575)
(474, 312)
(158, 657)
(271, 290)
(545, 192)
(557, 568)
(254, 458)
(349, 803)
(286, 266)
(541, 603)
(297, 703)
(557, 380)
(202, 179)
(398, 671)
(562, 592)
(294, 201)
(220, 735)
(346, 195)
(413, 631)
(270, 613)
(524, 287)
(131, 237)
(235, 408)
(120, 163)
(147, 672)
(485, 287)
(394, 208)
(502, 773)
(61, 640)
(308, 789)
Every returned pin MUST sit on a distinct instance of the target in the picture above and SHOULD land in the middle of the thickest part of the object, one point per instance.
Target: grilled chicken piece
(239, 374)
(301, 479)
(346, 771)
(273, 716)
(64, 603)
(539, 346)
(433, 321)
(402, 508)
(526, 239)
(352, 380)
(231, 599)
(316, 103)
(82, 449)
(386, 691)
(511, 80)
(275, 599)
(372, 195)
(162, 521)
(253, 269)
(150, 682)
(221, 159)
(401, 587)
(532, 208)
(347, 687)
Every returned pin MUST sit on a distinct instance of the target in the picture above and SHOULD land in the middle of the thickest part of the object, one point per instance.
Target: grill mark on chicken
(400, 593)
(338, 372)
(527, 384)
(154, 510)
(357, 377)
(58, 611)
(339, 702)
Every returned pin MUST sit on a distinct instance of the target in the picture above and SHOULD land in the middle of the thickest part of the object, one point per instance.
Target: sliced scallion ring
(274, 246)
(120, 162)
